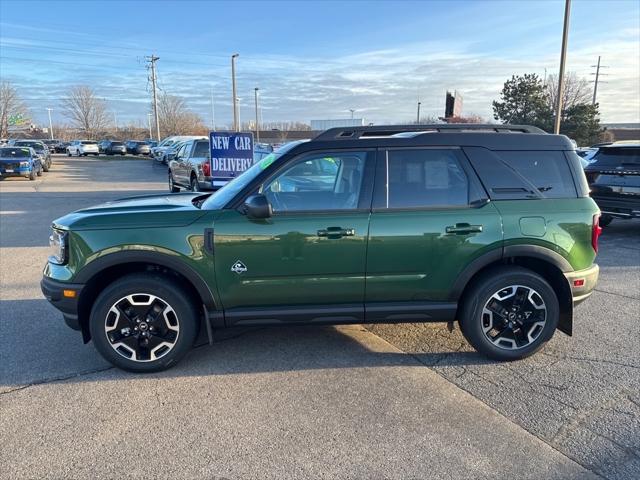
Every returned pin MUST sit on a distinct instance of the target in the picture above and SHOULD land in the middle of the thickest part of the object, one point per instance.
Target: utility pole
(149, 123)
(233, 92)
(563, 56)
(51, 125)
(152, 60)
(213, 112)
(418, 116)
(255, 91)
(115, 120)
(597, 74)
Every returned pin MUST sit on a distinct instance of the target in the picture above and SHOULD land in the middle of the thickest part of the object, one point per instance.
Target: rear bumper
(619, 207)
(53, 290)
(582, 283)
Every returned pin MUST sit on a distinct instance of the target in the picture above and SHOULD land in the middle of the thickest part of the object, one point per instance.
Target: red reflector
(596, 230)
(579, 282)
(206, 169)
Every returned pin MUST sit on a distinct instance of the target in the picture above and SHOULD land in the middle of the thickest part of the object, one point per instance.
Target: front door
(307, 262)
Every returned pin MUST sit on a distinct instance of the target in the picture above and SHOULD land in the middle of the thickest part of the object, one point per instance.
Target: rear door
(430, 219)
(614, 178)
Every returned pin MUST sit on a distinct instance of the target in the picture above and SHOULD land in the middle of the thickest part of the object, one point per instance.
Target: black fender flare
(93, 268)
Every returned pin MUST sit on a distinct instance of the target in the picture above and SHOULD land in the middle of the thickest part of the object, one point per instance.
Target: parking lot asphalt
(408, 401)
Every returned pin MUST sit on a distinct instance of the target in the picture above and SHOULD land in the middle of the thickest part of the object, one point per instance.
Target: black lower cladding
(53, 291)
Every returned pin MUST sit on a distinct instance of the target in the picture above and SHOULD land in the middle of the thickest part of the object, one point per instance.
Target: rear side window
(201, 150)
(617, 156)
(515, 175)
(422, 178)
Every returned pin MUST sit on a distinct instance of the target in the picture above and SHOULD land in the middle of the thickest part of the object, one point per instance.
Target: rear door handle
(463, 228)
(336, 232)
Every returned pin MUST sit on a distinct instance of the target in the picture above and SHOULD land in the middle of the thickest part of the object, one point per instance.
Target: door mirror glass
(257, 206)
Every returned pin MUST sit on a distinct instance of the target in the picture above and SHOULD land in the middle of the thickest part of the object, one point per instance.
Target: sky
(313, 59)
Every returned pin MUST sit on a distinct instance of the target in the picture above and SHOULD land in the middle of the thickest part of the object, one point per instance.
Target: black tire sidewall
(163, 287)
(487, 285)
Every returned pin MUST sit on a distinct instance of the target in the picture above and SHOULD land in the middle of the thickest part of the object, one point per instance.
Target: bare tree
(86, 111)
(577, 91)
(12, 108)
(176, 118)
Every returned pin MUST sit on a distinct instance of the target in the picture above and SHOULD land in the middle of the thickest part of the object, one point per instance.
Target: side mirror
(257, 206)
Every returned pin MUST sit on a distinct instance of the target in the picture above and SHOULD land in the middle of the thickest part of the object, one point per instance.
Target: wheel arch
(97, 275)
(548, 264)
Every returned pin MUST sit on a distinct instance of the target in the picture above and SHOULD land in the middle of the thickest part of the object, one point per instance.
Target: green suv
(488, 225)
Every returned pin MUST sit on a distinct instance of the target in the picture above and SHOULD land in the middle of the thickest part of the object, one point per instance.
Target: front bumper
(582, 283)
(54, 292)
(17, 172)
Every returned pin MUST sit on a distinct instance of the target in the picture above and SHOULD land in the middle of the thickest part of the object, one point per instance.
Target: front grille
(12, 166)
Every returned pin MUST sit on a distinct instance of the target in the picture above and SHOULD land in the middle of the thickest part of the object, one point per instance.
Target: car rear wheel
(509, 313)
(68, 153)
(144, 323)
(172, 185)
(194, 185)
(40, 170)
(32, 174)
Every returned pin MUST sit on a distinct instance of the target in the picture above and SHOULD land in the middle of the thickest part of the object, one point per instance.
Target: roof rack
(380, 131)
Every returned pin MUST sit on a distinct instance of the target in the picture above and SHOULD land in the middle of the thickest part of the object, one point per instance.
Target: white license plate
(9, 170)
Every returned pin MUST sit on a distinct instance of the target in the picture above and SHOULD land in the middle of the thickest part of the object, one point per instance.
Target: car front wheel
(172, 185)
(144, 323)
(509, 313)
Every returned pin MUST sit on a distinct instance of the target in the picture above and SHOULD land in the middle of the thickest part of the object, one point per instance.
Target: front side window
(424, 178)
(318, 182)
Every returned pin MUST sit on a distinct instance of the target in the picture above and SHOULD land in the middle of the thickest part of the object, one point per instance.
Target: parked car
(164, 151)
(51, 144)
(136, 147)
(41, 150)
(61, 147)
(19, 162)
(82, 147)
(614, 179)
(495, 230)
(112, 147)
(151, 143)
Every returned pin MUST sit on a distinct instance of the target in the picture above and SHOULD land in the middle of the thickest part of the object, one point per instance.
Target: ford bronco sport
(488, 225)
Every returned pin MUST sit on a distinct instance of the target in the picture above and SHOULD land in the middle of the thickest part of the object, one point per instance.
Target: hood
(149, 211)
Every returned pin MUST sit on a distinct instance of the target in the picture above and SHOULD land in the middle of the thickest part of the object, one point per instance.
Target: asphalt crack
(616, 294)
(61, 378)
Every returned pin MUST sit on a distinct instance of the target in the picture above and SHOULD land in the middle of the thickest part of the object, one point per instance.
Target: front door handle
(337, 232)
(463, 229)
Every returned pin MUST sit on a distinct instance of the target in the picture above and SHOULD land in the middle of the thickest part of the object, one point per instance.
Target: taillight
(206, 169)
(596, 230)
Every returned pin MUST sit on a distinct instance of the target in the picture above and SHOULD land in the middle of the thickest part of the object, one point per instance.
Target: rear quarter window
(616, 157)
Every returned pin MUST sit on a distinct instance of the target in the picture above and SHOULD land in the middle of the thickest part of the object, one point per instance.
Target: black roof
(491, 136)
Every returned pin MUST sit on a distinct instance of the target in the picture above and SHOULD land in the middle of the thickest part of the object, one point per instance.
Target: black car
(61, 147)
(112, 147)
(137, 147)
(51, 144)
(614, 178)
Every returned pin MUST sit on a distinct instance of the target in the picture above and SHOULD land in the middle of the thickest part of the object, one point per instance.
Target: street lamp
(233, 92)
(50, 124)
(255, 91)
(352, 112)
(418, 116)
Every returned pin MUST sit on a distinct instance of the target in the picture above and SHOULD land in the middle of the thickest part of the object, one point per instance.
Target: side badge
(239, 267)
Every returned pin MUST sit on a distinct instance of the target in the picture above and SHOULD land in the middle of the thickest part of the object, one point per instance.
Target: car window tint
(548, 171)
(201, 150)
(425, 178)
(324, 181)
(617, 156)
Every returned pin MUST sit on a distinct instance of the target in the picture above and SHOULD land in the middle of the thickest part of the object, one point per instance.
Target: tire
(32, 174)
(172, 185)
(45, 166)
(39, 172)
(522, 332)
(68, 153)
(194, 186)
(605, 220)
(178, 327)
(85, 154)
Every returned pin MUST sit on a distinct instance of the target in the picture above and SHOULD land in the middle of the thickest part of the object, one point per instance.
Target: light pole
(233, 91)
(213, 112)
(255, 91)
(418, 116)
(50, 124)
(149, 122)
(563, 56)
(115, 120)
(352, 112)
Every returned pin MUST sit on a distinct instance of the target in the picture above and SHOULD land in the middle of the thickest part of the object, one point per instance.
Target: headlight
(58, 247)
(24, 164)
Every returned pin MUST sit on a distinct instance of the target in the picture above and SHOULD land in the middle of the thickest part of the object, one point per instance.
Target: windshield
(14, 152)
(116, 144)
(166, 143)
(34, 145)
(223, 196)
(88, 143)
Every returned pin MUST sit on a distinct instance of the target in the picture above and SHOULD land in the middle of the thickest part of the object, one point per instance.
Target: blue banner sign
(231, 153)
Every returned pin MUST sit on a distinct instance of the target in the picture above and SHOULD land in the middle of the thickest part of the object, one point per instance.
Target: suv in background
(82, 147)
(488, 225)
(41, 151)
(112, 147)
(137, 147)
(614, 179)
